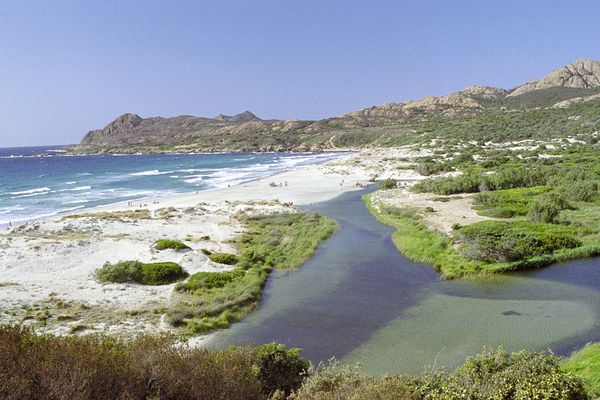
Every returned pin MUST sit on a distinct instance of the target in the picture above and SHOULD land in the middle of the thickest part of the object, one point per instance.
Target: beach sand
(47, 267)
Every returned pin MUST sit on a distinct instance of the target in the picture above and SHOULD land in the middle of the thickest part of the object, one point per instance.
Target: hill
(573, 85)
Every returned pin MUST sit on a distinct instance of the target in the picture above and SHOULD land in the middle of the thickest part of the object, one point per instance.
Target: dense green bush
(547, 207)
(209, 280)
(102, 368)
(279, 368)
(160, 273)
(224, 258)
(499, 241)
(518, 376)
(163, 244)
(387, 184)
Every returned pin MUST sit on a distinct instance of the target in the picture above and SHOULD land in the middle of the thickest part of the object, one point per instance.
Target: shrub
(279, 368)
(517, 376)
(209, 280)
(224, 258)
(163, 244)
(499, 241)
(387, 184)
(547, 207)
(161, 273)
(102, 368)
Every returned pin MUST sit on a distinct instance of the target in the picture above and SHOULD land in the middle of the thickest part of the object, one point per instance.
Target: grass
(161, 273)
(122, 216)
(585, 363)
(163, 244)
(210, 300)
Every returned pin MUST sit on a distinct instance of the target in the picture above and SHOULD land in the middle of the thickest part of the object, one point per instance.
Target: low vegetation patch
(213, 300)
(387, 184)
(122, 216)
(586, 364)
(224, 258)
(163, 244)
(161, 273)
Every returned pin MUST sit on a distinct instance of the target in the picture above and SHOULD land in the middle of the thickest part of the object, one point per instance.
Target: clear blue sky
(67, 67)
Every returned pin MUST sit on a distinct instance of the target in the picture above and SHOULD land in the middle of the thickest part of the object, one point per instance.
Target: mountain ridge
(574, 83)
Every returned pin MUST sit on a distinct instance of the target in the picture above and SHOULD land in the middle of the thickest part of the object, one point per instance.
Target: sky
(67, 67)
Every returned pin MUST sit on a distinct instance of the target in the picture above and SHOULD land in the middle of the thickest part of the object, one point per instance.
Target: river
(359, 300)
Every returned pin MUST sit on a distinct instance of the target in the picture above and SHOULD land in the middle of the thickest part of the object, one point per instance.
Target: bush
(161, 273)
(210, 280)
(102, 368)
(387, 184)
(279, 368)
(516, 376)
(547, 207)
(499, 241)
(164, 244)
(224, 258)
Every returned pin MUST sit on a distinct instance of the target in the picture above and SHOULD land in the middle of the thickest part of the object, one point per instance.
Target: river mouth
(359, 300)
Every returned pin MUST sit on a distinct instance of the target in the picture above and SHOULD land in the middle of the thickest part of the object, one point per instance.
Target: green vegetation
(550, 208)
(101, 368)
(490, 375)
(586, 364)
(387, 184)
(163, 244)
(161, 273)
(224, 258)
(122, 216)
(210, 300)
(146, 367)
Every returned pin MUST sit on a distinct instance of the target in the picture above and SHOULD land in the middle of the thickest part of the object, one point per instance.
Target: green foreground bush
(163, 244)
(100, 368)
(161, 273)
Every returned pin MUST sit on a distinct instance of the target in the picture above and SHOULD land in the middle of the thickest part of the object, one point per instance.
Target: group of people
(281, 184)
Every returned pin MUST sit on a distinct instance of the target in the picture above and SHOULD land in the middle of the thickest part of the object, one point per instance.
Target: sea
(40, 182)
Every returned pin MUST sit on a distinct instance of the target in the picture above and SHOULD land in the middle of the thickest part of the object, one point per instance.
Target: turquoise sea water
(36, 186)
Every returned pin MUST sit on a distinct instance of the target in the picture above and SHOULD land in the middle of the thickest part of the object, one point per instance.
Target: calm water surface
(359, 300)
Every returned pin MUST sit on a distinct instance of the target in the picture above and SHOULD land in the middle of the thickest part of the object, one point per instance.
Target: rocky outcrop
(486, 92)
(570, 102)
(241, 117)
(582, 74)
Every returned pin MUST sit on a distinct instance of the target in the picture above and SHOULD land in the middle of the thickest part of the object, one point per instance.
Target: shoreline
(173, 197)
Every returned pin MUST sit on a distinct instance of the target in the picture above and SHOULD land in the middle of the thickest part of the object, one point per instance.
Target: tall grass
(586, 364)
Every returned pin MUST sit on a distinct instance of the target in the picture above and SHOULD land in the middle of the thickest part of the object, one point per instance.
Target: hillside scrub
(160, 273)
(210, 300)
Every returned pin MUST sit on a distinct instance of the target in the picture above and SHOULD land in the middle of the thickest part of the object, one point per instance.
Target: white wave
(84, 174)
(70, 183)
(174, 176)
(6, 210)
(151, 172)
(194, 179)
(38, 190)
(76, 189)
